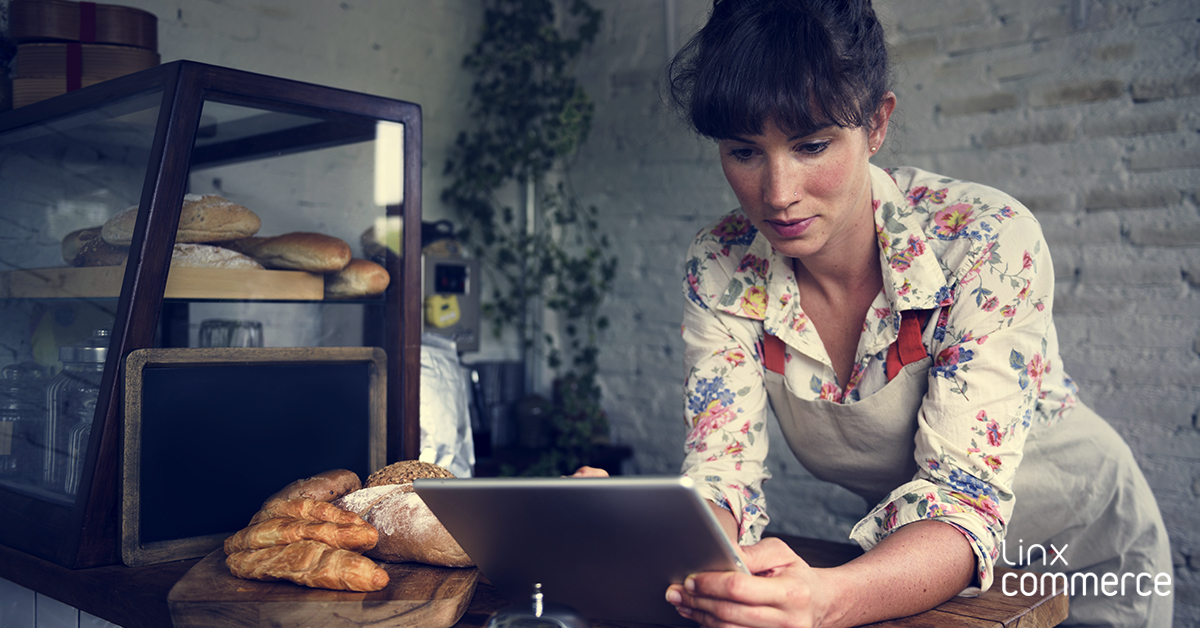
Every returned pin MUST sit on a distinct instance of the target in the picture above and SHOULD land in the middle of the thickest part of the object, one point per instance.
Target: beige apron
(1078, 487)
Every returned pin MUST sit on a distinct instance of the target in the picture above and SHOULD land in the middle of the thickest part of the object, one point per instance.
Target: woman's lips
(791, 228)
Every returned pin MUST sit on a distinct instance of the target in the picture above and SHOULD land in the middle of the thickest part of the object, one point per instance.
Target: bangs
(780, 65)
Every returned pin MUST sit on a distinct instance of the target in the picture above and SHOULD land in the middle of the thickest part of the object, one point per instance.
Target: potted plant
(530, 116)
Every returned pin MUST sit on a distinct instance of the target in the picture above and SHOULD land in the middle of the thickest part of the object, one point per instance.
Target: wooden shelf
(182, 283)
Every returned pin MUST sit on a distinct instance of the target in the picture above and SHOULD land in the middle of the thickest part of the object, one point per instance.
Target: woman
(899, 324)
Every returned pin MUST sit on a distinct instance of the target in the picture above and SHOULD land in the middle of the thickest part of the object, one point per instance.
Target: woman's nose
(780, 187)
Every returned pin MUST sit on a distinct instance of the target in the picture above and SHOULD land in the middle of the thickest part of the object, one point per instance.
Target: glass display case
(98, 258)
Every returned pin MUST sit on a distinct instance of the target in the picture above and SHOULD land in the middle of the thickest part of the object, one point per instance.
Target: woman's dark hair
(805, 64)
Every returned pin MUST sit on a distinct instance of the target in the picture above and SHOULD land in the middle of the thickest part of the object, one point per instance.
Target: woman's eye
(741, 154)
(812, 148)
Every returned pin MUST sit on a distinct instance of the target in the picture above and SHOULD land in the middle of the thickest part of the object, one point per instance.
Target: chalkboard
(211, 433)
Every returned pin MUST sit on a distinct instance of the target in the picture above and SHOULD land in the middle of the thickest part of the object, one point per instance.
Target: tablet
(606, 547)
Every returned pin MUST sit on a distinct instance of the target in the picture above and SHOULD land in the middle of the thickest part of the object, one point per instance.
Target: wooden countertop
(137, 597)
(992, 609)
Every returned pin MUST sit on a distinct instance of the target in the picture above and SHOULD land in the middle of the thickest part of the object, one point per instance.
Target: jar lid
(94, 349)
(23, 372)
(20, 383)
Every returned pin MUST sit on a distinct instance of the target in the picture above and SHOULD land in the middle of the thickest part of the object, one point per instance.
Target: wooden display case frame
(87, 533)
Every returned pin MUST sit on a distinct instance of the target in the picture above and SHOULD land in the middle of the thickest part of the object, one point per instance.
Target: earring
(874, 148)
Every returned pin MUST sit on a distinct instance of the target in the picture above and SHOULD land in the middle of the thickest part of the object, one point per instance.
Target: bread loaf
(204, 218)
(309, 509)
(85, 247)
(323, 487)
(408, 530)
(284, 530)
(310, 563)
(404, 472)
(300, 250)
(210, 256)
(360, 278)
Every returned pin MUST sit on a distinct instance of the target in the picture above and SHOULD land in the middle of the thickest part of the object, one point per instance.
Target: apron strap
(908, 347)
(774, 353)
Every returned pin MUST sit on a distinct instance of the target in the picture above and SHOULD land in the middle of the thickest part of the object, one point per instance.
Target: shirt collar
(763, 286)
(912, 276)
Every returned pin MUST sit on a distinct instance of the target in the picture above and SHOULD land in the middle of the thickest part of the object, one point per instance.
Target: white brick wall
(1087, 110)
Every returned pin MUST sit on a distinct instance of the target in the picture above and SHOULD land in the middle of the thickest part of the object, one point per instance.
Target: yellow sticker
(441, 310)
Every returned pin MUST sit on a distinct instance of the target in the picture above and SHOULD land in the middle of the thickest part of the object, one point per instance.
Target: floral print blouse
(970, 254)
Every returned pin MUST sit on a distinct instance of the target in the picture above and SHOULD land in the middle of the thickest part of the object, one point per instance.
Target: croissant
(281, 531)
(304, 508)
(310, 563)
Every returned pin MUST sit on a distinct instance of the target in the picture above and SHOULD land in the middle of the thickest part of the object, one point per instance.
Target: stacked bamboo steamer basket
(64, 45)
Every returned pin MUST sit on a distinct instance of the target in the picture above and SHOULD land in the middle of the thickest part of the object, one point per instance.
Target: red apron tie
(907, 348)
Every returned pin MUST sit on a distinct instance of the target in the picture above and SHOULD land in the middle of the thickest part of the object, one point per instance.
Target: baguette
(309, 563)
(323, 487)
(360, 278)
(300, 250)
(284, 530)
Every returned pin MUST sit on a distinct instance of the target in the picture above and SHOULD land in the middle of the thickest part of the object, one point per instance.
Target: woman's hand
(784, 591)
(589, 472)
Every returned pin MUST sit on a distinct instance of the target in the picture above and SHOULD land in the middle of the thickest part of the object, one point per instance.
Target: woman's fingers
(692, 601)
(768, 556)
(781, 591)
(589, 472)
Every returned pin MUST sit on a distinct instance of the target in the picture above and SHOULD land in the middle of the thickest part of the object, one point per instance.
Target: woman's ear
(879, 121)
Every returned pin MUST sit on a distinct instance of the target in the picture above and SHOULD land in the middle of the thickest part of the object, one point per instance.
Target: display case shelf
(304, 157)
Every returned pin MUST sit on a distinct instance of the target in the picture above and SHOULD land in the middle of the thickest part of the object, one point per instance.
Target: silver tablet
(606, 547)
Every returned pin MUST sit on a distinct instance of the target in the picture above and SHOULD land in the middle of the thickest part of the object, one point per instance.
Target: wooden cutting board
(417, 596)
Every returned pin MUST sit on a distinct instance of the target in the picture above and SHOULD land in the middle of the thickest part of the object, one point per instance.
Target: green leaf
(1016, 360)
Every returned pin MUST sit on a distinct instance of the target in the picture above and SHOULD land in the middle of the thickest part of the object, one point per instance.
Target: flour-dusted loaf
(310, 563)
(204, 218)
(284, 530)
(299, 250)
(408, 530)
(210, 256)
(360, 278)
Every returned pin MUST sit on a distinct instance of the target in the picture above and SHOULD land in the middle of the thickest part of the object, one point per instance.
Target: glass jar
(22, 416)
(71, 399)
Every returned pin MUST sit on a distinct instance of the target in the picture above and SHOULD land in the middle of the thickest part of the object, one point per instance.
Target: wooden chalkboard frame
(136, 549)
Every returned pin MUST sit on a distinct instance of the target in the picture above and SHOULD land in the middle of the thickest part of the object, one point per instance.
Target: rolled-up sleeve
(725, 411)
(990, 355)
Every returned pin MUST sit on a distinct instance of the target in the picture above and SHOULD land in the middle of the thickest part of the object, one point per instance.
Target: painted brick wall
(1085, 110)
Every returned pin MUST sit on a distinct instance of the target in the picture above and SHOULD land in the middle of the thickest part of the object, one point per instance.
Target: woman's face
(808, 195)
